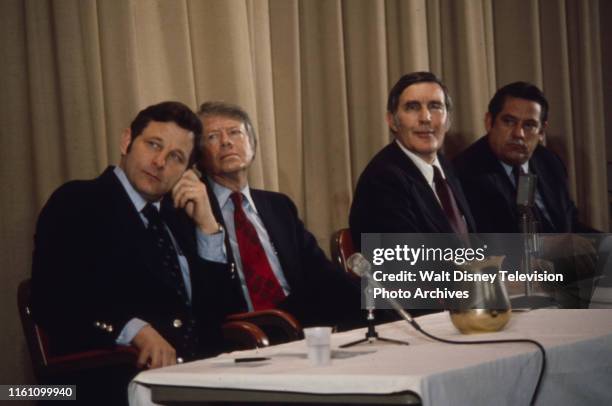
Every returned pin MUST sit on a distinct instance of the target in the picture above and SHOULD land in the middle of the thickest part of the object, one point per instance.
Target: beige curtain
(314, 74)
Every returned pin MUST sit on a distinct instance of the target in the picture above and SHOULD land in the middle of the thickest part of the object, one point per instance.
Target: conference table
(579, 367)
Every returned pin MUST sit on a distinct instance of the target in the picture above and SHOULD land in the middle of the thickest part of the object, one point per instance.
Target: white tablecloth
(579, 355)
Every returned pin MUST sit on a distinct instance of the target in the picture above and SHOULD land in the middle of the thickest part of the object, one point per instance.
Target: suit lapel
(457, 193)
(274, 227)
(238, 301)
(547, 192)
(132, 230)
(496, 176)
(425, 197)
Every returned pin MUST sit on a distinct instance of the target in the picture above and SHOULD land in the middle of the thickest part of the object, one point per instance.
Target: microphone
(525, 202)
(525, 190)
(358, 264)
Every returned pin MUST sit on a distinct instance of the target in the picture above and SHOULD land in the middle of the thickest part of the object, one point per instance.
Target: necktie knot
(236, 199)
(437, 174)
(151, 213)
(517, 171)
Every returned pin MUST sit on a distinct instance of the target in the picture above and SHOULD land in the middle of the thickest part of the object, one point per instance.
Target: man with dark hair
(114, 262)
(489, 168)
(408, 187)
(275, 261)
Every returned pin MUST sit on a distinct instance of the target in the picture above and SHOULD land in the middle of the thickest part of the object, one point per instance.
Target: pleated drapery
(313, 74)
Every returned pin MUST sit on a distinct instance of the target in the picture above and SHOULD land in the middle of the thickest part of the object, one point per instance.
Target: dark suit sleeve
(571, 211)
(210, 282)
(325, 294)
(67, 294)
(384, 203)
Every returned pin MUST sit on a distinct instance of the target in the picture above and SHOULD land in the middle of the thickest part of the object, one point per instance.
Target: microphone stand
(371, 335)
(531, 245)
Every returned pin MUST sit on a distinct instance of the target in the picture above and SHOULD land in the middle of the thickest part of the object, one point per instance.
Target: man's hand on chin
(190, 194)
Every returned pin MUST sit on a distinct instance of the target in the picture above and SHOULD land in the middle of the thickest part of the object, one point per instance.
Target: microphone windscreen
(525, 191)
(358, 264)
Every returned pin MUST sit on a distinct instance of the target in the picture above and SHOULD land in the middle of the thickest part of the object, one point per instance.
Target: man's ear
(126, 139)
(542, 134)
(488, 122)
(390, 118)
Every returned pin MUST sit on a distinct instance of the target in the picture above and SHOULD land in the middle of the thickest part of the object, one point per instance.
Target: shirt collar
(508, 168)
(136, 198)
(425, 168)
(223, 194)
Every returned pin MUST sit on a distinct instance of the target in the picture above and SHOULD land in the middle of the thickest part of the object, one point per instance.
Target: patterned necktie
(449, 205)
(188, 345)
(264, 288)
(169, 259)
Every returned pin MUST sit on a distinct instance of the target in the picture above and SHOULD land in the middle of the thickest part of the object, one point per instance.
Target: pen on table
(251, 359)
(241, 360)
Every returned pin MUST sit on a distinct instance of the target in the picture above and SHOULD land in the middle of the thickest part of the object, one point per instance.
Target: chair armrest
(242, 335)
(341, 248)
(95, 358)
(45, 365)
(278, 325)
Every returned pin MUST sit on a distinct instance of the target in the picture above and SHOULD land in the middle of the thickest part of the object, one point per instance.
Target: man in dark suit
(275, 261)
(515, 124)
(115, 263)
(489, 170)
(408, 187)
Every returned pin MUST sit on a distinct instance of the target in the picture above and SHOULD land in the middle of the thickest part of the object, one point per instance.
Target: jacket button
(177, 323)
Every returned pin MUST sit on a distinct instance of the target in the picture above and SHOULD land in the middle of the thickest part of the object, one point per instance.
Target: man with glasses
(275, 262)
(489, 168)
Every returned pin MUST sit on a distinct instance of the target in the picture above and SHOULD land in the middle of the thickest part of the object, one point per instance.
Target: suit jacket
(321, 293)
(95, 268)
(392, 196)
(492, 195)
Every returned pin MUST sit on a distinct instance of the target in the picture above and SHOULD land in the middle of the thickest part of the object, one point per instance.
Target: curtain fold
(365, 48)
(287, 86)
(324, 116)
(313, 74)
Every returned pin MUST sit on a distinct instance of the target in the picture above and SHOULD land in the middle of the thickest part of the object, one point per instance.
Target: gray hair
(221, 108)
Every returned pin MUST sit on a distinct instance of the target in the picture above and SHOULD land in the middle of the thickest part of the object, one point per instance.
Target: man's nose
(226, 140)
(159, 160)
(424, 115)
(517, 131)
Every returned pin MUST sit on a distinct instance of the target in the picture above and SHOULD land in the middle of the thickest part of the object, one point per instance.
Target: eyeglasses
(214, 137)
(529, 127)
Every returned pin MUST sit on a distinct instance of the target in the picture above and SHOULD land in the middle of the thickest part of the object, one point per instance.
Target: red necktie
(449, 205)
(264, 289)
